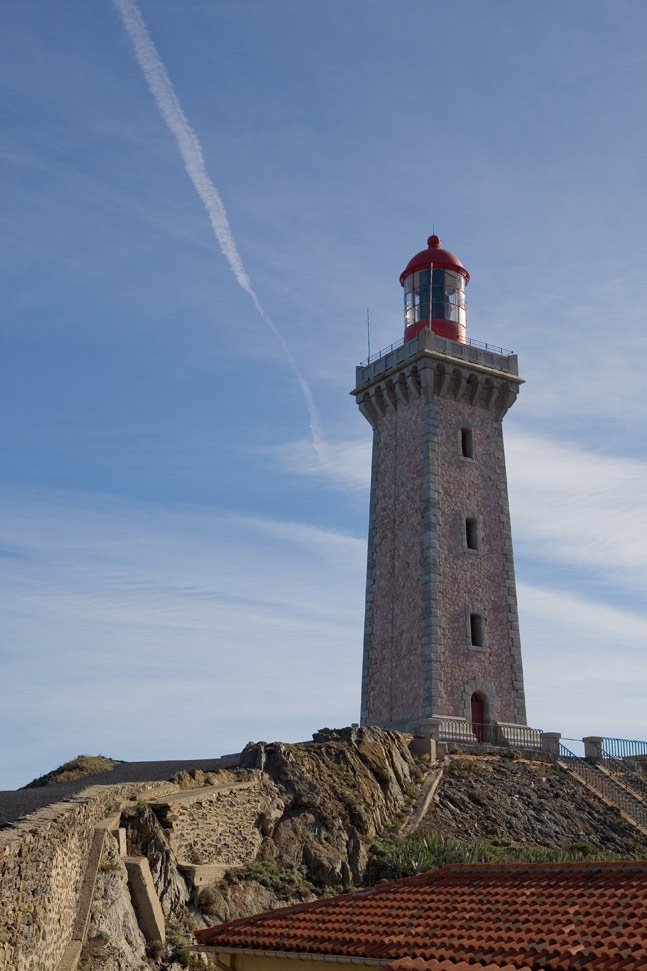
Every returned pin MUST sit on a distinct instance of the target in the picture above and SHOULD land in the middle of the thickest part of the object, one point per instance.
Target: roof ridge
(553, 864)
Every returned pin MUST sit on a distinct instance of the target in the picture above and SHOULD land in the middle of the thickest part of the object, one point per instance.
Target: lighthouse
(441, 634)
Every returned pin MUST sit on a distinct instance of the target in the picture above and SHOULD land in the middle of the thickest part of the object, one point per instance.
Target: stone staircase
(626, 775)
(601, 779)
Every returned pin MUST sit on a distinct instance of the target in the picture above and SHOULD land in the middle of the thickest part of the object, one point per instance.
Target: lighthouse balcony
(427, 343)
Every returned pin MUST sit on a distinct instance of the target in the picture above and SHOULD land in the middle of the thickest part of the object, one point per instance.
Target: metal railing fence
(627, 775)
(576, 746)
(623, 748)
(469, 341)
(622, 757)
(632, 806)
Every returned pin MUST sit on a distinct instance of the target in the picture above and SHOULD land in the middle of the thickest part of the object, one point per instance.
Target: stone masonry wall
(395, 677)
(221, 828)
(422, 580)
(42, 864)
(481, 579)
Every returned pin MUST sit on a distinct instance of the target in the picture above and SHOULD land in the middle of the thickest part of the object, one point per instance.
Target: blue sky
(180, 573)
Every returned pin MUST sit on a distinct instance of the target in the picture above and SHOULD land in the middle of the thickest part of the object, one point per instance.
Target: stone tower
(441, 636)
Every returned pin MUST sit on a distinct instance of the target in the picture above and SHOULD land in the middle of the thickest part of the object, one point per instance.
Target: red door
(478, 717)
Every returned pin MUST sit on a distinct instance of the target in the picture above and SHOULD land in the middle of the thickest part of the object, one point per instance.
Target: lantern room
(434, 284)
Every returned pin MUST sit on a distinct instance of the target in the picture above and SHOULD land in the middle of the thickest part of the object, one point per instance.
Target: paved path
(17, 803)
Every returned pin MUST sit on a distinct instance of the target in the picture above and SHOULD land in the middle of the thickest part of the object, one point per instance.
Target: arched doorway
(478, 716)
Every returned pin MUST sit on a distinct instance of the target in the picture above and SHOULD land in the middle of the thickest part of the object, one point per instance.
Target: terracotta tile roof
(419, 964)
(516, 917)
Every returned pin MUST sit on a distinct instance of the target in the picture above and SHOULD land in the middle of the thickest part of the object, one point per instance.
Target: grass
(391, 860)
(78, 768)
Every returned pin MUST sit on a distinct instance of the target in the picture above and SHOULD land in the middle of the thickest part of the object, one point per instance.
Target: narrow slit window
(471, 533)
(477, 632)
(467, 443)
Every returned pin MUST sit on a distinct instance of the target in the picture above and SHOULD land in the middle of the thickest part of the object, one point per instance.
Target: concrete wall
(261, 962)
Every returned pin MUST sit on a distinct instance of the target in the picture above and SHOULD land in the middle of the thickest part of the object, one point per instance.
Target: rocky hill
(78, 768)
(298, 821)
(506, 802)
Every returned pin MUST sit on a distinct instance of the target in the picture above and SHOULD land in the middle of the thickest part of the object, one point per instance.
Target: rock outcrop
(504, 801)
(339, 793)
(114, 941)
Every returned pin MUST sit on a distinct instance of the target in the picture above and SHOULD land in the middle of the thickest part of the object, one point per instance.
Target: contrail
(171, 110)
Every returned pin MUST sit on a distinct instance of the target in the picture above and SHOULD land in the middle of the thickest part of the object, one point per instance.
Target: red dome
(439, 257)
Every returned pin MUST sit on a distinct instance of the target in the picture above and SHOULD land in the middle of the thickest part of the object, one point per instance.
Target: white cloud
(335, 546)
(578, 341)
(578, 508)
(585, 664)
(152, 632)
(168, 104)
(350, 461)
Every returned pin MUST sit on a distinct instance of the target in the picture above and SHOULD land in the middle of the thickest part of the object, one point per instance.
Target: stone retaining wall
(220, 824)
(43, 860)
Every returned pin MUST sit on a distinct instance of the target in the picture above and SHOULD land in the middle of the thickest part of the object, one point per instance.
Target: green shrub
(511, 753)
(208, 901)
(269, 874)
(391, 860)
(336, 890)
(179, 950)
(154, 949)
